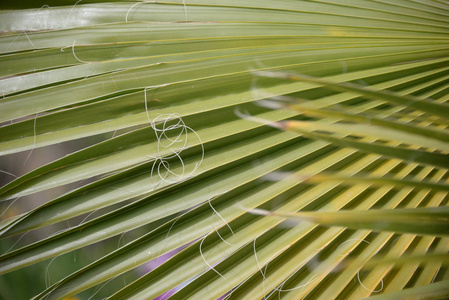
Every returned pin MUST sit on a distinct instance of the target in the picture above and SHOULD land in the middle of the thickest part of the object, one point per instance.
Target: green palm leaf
(167, 104)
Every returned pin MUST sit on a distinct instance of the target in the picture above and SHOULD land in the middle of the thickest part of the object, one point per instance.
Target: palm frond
(152, 95)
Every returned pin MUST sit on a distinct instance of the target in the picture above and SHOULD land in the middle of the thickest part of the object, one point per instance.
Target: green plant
(179, 157)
